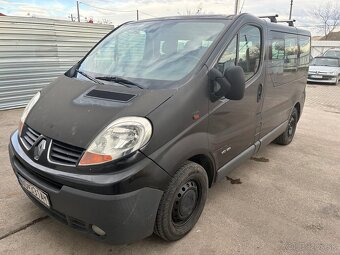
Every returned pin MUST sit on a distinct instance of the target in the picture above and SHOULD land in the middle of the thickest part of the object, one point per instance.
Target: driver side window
(228, 58)
(244, 50)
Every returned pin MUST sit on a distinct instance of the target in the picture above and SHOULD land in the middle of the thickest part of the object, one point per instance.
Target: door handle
(259, 92)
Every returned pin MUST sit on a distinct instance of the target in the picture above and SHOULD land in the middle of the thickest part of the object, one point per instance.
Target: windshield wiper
(89, 77)
(119, 80)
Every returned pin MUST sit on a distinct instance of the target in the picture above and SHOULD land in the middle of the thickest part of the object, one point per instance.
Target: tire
(287, 137)
(182, 203)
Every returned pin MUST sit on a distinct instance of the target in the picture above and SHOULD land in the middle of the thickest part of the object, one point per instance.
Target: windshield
(149, 51)
(332, 53)
(325, 62)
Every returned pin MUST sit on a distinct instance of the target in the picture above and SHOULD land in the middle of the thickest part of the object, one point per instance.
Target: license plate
(40, 195)
(317, 76)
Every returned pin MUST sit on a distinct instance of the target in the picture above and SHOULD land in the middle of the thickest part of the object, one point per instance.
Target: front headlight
(122, 137)
(27, 110)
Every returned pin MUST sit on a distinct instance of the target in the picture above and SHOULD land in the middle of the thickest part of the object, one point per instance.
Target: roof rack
(271, 17)
(290, 22)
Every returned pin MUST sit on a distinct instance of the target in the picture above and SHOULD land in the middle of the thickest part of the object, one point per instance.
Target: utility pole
(236, 7)
(78, 11)
(137, 15)
(291, 9)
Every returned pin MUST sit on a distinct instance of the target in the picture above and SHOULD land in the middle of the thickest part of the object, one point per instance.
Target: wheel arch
(194, 147)
(297, 106)
(208, 165)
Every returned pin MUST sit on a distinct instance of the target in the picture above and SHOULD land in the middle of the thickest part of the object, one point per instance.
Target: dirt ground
(286, 202)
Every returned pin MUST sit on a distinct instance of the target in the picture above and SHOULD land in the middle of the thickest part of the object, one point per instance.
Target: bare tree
(196, 11)
(329, 15)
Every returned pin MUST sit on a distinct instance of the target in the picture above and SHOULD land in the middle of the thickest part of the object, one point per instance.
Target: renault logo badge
(39, 149)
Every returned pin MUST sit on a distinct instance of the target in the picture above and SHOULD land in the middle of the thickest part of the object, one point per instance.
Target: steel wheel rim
(291, 126)
(185, 203)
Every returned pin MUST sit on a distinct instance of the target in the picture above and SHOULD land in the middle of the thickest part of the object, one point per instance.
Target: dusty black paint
(123, 196)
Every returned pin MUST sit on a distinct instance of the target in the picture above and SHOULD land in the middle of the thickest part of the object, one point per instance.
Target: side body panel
(177, 135)
(285, 80)
(233, 124)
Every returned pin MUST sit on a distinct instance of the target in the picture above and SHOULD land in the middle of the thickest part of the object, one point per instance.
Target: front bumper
(125, 218)
(323, 79)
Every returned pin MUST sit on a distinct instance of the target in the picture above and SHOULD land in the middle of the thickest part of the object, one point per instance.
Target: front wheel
(287, 136)
(182, 203)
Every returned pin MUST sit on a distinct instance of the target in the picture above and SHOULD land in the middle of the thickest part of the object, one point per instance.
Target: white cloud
(118, 11)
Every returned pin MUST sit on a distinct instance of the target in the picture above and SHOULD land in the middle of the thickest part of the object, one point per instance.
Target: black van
(128, 141)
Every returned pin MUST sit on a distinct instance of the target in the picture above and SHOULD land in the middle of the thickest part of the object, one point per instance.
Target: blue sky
(118, 11)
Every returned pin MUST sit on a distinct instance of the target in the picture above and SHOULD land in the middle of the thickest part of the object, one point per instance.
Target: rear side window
(244, 50)
(289, 57)
(304, 52)
(291, 53)
(278, 49)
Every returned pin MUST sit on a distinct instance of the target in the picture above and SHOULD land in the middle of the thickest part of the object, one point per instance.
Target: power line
(103, 10)
(107, 10)
(148, 14)
(242, 6)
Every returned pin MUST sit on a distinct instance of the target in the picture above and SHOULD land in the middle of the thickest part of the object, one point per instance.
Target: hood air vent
(108, 95)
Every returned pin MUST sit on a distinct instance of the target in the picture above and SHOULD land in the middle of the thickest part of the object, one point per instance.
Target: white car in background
(332, 53)
(324, 70)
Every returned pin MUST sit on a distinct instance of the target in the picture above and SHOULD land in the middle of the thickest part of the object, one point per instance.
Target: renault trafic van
(129, 140)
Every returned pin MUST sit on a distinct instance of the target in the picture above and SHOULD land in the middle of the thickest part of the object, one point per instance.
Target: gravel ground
(286, 202)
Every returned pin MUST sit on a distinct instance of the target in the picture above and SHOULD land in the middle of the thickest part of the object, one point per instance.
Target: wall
(33, 52)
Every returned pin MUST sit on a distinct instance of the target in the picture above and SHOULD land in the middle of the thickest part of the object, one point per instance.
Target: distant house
(332, 36)
(1, 14)
(317, 38)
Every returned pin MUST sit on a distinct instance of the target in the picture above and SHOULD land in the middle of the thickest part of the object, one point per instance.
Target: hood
(74, 111)
(323, 69)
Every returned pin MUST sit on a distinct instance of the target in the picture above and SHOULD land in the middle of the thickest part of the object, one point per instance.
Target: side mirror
(230, 85)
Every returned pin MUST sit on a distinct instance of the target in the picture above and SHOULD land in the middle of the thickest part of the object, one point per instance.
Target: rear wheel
(287, 137)
(182, 203)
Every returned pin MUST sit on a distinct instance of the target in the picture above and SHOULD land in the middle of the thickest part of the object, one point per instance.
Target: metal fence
(320, 47)
(33, 52)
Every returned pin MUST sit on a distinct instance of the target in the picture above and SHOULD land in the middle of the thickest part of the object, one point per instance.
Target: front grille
(29, 137)
(45, 180)
(62, 153)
